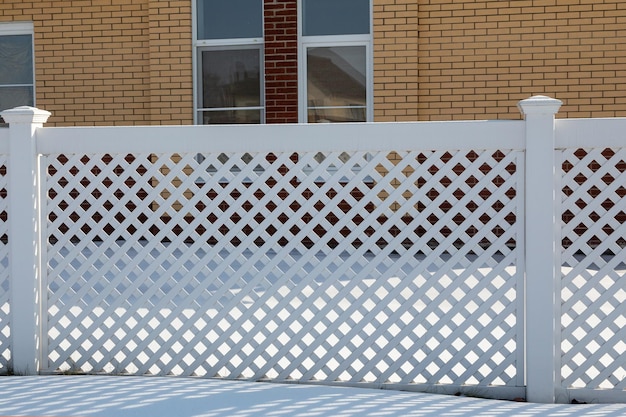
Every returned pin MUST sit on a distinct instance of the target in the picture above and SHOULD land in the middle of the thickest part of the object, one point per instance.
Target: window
(335, 17)
(336, 83)
(229, 61)
(231, 86)
(232, 19)
(335, 61)
(17, 81)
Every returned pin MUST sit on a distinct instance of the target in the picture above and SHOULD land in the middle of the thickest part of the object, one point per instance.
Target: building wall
(396, 94)
(281, 61)
(110, 62)
(170, 61)
(471, 59)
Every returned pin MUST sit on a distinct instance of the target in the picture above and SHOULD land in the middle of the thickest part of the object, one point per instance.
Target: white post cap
(539, 105)
(25, 115)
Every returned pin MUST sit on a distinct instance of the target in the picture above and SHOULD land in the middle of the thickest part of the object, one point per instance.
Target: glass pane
(336, 77)
(337, 115)
(15, 96)
(227, 19)
(231, 78)
(336, 17)
(16, 59)
(228, 117)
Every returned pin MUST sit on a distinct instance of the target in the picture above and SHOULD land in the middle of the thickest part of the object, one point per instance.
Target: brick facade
(170, 62)
(281, 61)
(471, 59)
(395, 60)
(108, 62)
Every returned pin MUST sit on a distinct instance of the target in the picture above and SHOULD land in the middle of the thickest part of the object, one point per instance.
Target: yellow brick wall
(471, 59)
(170, 51)
(396, 54)
(110, 62)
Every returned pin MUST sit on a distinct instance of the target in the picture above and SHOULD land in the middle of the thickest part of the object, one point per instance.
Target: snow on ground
(123, 396)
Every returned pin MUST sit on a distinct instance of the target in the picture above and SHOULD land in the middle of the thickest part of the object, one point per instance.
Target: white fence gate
(404, 255)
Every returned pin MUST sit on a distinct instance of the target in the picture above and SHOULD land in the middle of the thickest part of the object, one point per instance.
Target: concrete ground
(123, 396)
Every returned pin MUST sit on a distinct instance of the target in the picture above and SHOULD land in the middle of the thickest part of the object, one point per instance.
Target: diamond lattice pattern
(594, 268)
(5, 328)
(338, 266)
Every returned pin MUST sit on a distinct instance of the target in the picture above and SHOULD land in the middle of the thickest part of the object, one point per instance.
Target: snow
(124, 396)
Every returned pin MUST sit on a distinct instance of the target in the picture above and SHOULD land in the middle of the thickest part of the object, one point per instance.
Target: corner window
(17, 81)
(335, 56)
(229, 61)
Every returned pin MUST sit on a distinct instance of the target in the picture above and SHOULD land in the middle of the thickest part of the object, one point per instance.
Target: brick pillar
(281, 61)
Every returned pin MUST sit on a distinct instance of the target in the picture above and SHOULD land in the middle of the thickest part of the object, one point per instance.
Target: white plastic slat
(493, 135)
(594, 268)
(336, 265)
(5, 288)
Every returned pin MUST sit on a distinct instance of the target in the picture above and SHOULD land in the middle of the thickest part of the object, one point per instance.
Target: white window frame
(216, 45)
(22, 28)
(305, 42)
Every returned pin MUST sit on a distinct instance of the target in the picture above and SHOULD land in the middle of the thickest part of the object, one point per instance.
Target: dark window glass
(15, 96)
(230, 19)
(336, 84)
(231, 117)
(231, 86)
(16, 59)
(231, 78)
(16, 71)
(336, 17)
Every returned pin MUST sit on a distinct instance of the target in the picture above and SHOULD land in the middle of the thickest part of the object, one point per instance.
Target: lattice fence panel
(5, 308)
(594, 268)
(339, 266)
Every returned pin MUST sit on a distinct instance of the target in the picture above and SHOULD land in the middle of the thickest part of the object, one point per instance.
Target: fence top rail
(284, 138)
(586, 133)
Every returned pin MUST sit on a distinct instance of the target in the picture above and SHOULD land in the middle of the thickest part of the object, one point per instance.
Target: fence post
(24, 237)
(542, 360)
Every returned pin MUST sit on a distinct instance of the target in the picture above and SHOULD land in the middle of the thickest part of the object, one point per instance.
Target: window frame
(199, 111)
(22, 28)
(305, 42)
(216, 45)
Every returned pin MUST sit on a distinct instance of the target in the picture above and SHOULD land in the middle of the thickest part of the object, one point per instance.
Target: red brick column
(281, 61)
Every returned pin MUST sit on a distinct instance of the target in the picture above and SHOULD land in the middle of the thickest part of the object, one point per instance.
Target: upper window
(229, 56)
(335, 56)
(17, 85)
(335, 17)
(230, 19)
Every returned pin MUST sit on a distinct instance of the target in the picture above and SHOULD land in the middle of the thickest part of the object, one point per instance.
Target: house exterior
(113, 62)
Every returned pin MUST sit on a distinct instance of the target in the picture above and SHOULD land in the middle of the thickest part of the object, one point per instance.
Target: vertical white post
(24, 236)
(542, 360)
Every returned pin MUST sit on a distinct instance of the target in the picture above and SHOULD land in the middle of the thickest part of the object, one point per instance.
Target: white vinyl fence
(438, 257)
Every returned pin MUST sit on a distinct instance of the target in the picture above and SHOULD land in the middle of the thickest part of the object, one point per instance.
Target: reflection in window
(229, 40)
(231, 86)
(336, 84)
(336, 49)
(16, 71)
